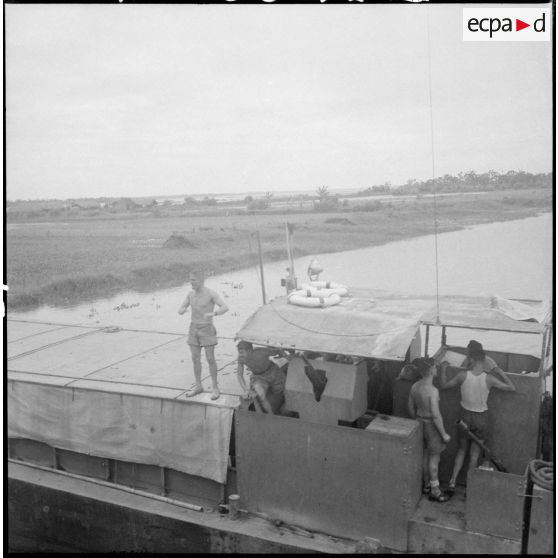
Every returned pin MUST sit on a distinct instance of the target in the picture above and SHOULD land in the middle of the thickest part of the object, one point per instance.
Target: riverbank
(67, 262)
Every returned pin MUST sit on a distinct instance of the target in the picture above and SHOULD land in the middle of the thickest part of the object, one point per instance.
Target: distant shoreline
(73, 261)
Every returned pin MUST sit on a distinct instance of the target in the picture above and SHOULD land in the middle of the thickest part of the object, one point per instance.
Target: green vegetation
(321, 201)
(70, 260)
(466, 182)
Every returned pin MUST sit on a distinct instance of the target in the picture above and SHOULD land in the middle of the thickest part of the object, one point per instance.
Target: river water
(512, 259)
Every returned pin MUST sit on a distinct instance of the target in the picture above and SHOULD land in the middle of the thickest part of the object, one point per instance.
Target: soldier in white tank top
(474, 392)
(480, 375)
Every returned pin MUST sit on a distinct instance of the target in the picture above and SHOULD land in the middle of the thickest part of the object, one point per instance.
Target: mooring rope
(541, 473)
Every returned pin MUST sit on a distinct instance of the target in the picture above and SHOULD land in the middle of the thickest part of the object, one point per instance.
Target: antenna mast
(290, 281)
(433, 165)
(261, 264)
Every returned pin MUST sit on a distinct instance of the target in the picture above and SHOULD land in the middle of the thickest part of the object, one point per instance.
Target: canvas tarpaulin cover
(361, 325)
(185, 436)
(377, 324)
(490, 313)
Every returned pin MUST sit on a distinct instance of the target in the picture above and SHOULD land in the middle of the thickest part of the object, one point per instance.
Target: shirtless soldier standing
(202, 331)
(424, 406)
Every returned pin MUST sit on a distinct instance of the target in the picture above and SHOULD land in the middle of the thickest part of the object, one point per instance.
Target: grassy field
(74, 260)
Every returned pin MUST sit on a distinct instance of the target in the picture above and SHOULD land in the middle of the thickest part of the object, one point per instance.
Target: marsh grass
(69, 261)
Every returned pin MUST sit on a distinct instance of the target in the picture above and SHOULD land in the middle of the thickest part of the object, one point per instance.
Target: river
(510, 258)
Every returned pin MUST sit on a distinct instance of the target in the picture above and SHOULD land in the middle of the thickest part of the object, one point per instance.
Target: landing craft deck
(108, 406)
(100, 392)
(113, 393)
(153, 363)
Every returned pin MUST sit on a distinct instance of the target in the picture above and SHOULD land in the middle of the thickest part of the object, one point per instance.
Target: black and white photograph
(279, 278)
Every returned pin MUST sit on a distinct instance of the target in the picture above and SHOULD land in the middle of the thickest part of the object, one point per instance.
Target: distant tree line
(466, 182)
(206, 201)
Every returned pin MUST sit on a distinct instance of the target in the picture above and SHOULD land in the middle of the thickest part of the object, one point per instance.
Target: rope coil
(541, 473)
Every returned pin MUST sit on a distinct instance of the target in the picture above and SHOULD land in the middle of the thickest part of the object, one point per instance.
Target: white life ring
(303, 298)
(309, 291)
(326, 286)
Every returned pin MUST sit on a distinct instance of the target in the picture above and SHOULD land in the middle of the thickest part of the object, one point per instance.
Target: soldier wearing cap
(481, 374)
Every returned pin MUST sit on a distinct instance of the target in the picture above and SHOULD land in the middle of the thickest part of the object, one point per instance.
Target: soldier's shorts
(202, 335)
(477, 423)
(433, 442)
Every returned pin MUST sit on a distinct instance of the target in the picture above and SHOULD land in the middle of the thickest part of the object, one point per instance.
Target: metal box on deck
(339, 480)
(541, 525)
(344, 396)
(494, 503)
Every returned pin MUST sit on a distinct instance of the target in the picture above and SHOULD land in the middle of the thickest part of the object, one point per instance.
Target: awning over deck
(490, 313)
(361, 325)
(378, 324)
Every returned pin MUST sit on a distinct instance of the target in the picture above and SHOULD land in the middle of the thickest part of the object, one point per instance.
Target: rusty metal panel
(541, 526)
(494, 503)
(338, 480)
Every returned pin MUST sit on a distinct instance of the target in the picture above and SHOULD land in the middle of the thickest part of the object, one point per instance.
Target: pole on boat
(291, 278)
(261, 265)
(426, 340)
(433, 164)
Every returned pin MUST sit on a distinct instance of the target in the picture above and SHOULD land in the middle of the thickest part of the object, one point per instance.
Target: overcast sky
(132, 100)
